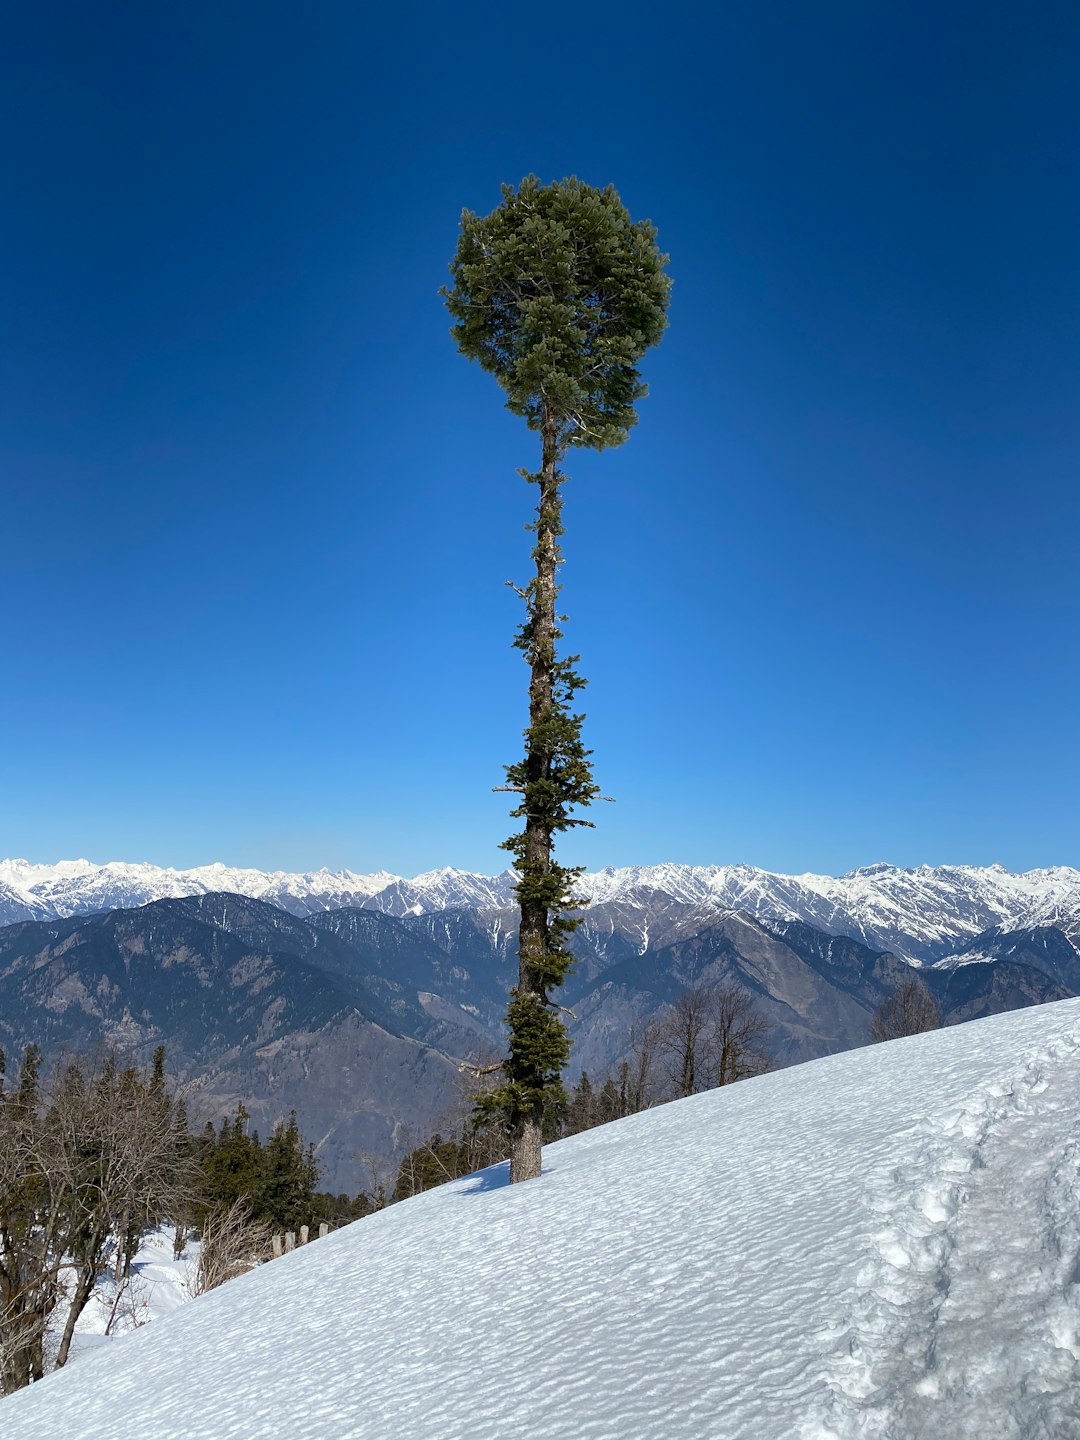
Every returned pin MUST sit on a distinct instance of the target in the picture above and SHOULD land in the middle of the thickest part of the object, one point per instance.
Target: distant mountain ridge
(359, 1015)
(253, 1004)
(359, 1019)
(923, 914)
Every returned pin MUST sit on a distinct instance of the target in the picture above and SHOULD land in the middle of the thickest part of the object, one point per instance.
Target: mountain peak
(922, 913)
(879, 867)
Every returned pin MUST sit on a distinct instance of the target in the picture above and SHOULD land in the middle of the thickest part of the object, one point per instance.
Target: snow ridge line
(910, 1355)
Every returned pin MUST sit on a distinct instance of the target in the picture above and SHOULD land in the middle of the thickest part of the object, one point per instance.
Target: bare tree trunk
(121, 1239)
(84, 1288)
(37, 1356)
(535, 934)
(13, 1374)
(525, 1149)
(643, 1042)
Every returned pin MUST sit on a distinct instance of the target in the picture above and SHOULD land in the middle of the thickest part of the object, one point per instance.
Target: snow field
(967, 1318)
(880, 1244)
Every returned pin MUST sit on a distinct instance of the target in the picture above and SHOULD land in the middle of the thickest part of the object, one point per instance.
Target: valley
(360, 1014)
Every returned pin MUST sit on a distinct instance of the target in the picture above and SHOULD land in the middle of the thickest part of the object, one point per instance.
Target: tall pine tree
(557, 293)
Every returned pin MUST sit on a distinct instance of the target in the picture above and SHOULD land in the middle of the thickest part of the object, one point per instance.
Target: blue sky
(259, 512)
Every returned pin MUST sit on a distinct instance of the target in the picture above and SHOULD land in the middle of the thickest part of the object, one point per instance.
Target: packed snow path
(883, 1244)
(965, 1321)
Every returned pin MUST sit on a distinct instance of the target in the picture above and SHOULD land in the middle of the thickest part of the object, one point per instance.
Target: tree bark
(84, 1288)
(25, 1308)
(534, 936)
(525, 1149)
(123, 1247)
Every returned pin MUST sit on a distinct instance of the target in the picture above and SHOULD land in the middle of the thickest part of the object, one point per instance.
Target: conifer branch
(478, 1070)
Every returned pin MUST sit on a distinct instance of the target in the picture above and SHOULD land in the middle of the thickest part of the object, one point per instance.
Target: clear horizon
(259, 512)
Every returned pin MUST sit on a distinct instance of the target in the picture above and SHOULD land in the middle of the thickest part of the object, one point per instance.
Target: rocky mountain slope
(818, 991)
(253, 1005)
(921, 914)
(359, 1019)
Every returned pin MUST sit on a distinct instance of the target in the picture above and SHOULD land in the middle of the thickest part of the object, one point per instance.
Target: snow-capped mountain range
(924, 913)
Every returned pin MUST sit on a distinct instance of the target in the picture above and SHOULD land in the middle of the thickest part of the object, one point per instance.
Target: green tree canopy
(558, 293)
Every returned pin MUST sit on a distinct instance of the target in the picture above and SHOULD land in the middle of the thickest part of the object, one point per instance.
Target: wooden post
(303, 1234)
(275, 1245)
(290, 1240)
(324, 1229)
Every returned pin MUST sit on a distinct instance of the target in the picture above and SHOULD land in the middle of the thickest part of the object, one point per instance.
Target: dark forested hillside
(359, 1020)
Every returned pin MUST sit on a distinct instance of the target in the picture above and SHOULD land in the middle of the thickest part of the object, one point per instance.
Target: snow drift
(884, 1243)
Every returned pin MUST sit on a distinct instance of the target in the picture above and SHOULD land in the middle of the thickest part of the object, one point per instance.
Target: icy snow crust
(884, 1244)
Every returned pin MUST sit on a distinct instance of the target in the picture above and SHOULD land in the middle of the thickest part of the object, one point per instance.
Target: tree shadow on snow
(495, 1177)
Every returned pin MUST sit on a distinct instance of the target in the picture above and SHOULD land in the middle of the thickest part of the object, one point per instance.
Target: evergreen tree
(276, 1180)
(231, 1163)
(557, 293)
(288, 1174)
(579, 1111)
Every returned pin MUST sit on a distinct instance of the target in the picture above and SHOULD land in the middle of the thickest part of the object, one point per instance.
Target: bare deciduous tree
(639, 1068)
(232, 1243)
(83, 1170)
(736, 1046)
(711, 1036)
(380, 1177)
(681, 1037)
(909, 1010)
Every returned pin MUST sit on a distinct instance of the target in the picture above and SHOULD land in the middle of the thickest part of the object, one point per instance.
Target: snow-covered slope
(157, 1285)
(921, 913)
(884, 1243)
